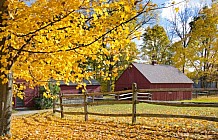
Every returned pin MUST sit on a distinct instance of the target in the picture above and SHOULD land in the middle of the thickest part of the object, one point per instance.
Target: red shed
(91, 86)
(30, 93)
(155, 76)
(28, 99)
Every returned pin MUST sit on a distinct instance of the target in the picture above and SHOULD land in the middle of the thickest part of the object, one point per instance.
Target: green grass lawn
(155, 109)
(142, 108)
(149, 108)
(204, 99)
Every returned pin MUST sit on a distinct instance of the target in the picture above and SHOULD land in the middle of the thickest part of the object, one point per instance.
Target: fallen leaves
(49, 126)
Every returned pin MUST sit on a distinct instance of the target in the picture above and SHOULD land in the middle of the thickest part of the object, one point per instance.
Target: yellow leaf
(95, 17)
(127, 58)
(177, 9)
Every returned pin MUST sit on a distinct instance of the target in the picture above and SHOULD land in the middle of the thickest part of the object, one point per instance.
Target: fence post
(150, 96)
(85, 106)
(61, 106)
(134, 98)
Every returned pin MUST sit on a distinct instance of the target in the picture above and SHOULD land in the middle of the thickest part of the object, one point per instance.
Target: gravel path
(26, 112)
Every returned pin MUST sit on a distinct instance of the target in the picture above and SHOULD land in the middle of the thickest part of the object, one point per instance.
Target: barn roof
(88, 82)
(162, 73)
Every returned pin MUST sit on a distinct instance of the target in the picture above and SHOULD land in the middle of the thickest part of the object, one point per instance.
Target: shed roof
(88, 82)
(162, 73)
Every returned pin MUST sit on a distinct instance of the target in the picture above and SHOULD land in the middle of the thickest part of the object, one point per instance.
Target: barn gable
(129, 76)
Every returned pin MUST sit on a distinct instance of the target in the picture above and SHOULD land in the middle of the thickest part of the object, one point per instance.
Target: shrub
(45, 99)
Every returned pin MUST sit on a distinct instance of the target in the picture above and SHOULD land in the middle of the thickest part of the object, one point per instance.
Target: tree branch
(101, 36)
(19, 50)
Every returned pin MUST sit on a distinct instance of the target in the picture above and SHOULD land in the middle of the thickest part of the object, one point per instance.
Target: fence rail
(182, 104)
(177, 89)
(136, 96)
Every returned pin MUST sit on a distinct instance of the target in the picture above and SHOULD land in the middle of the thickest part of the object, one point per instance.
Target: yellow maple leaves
(18, 90)
(46, 125)
(177, 9)
(58, 38)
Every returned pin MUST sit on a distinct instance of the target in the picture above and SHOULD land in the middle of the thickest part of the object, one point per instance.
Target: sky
(167, 13)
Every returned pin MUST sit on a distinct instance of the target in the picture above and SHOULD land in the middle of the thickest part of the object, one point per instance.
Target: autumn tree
(156, 45)
(114, 62)
(55, 39)
(116, 55)
(179, 29)
(203, 47)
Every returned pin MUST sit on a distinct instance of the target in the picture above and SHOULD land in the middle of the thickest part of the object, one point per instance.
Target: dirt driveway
(19, 112)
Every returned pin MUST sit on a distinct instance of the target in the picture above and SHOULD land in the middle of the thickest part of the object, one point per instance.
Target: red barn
(32, 93)
(155, 76)
(91, 86)
(28, 99)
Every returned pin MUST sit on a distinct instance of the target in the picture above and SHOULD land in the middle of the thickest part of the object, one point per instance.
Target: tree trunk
(109, 83)
(6, 106)
(5, 89)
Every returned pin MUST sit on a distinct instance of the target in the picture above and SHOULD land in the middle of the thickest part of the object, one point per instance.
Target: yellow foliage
(56, 38)
(49, 95)
(18, 90)
(177, 9)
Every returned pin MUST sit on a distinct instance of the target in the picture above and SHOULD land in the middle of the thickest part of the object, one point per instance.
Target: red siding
(131, 75)
(30, 94)
(169, 96)
(93, 88)
(70, 89)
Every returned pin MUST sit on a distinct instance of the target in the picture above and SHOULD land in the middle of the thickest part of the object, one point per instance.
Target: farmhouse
(153, 77)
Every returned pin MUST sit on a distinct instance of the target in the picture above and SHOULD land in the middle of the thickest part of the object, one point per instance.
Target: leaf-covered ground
(50, 126)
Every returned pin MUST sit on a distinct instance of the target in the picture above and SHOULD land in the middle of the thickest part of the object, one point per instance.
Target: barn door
(19, 102)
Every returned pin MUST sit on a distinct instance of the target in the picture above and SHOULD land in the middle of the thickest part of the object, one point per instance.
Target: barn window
(80, 91)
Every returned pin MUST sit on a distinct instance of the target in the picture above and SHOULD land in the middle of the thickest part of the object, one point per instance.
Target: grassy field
(50, 126)
(205, 99)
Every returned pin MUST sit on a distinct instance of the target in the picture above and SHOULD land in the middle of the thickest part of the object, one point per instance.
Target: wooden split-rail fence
(133, 97)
